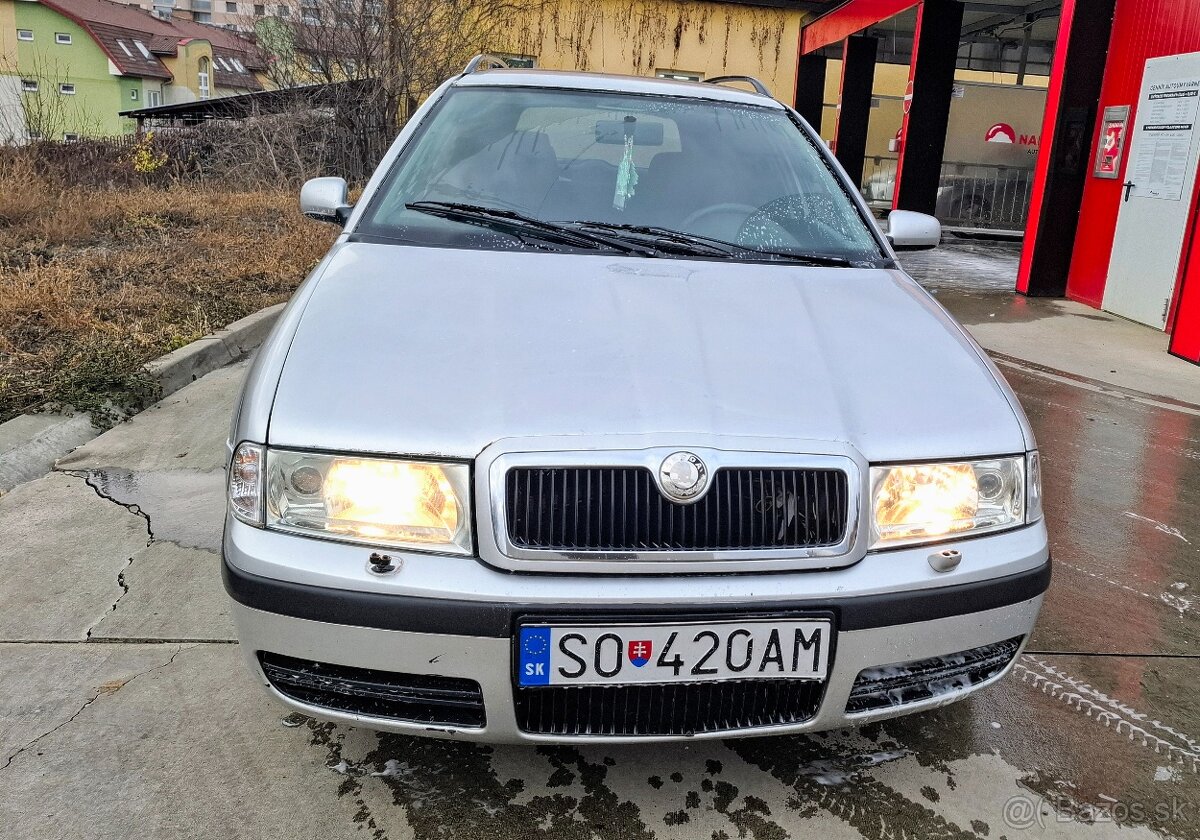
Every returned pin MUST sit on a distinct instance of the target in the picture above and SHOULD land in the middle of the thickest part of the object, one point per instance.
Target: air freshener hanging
(627, 176)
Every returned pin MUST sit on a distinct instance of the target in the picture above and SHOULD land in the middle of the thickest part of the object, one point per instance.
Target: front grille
(620, 509)
(417, 698)
(673, 709)
(922, 679)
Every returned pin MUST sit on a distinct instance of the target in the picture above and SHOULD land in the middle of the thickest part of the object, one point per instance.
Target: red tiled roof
(134, 39)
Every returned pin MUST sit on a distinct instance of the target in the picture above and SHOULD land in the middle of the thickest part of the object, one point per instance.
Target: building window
(259, 10)
(29, 85)
(205, 64)
(24, 34)
(202, 17)
(124, 48)
(284, 11)
(70, 136)
(153, 98)
(231, 8)
(66, 89)
(133, 94)
(679, 75)
(311, 15)
(62, 37)
(142, 49)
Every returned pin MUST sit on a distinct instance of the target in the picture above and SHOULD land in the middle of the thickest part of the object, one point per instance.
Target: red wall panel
(1185, 334)
(1142, 29)
(1049, 126)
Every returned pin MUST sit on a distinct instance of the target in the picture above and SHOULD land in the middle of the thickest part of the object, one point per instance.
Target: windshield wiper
(696, 244)
(520, 225)
(664, 238)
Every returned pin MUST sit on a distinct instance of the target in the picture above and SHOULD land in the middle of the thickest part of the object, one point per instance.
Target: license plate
(620, 654)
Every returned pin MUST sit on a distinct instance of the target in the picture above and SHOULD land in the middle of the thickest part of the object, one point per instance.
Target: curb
(31, 443)
(204, 355)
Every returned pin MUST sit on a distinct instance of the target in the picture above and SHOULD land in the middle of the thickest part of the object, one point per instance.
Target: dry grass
(95, 282)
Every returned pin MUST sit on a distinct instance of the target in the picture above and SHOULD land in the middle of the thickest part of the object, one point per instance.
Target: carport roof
(259, 102)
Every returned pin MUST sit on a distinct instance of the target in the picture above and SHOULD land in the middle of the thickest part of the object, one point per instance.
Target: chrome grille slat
(576, 509)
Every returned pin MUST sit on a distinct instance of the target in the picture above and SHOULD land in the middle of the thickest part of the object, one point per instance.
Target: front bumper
(392, 625)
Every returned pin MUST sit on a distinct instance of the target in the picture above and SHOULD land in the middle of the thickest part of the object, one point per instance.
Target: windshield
(724, 172)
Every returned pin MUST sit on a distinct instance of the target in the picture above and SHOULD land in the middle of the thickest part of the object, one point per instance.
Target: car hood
(432, 351)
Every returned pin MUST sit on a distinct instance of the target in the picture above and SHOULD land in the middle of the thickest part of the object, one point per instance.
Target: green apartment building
(69, 67)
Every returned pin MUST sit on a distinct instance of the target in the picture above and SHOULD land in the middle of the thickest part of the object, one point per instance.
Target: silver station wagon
(611, 415)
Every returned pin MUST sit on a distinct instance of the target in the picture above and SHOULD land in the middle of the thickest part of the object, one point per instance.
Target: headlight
(928, 502)
(417, 505)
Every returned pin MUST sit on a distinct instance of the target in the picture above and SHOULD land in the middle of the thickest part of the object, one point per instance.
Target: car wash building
(1112, 212)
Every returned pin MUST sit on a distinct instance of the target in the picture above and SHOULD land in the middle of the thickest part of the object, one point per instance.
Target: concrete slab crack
(87, 476)
(108, 688)
(136, 510)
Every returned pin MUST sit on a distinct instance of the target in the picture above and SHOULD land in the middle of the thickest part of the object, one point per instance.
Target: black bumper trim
(496, 620)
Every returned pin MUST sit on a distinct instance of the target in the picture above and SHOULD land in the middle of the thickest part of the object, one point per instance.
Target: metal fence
(972, 196)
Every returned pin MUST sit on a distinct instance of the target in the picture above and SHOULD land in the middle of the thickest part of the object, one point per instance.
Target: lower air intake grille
(448, 701)
(910, 682)
(676, 709)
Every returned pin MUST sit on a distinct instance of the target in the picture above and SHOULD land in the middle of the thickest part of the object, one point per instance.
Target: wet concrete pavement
(966, 263)
(126, 711)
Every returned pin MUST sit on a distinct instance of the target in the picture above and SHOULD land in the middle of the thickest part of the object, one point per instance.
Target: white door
(1157, 196)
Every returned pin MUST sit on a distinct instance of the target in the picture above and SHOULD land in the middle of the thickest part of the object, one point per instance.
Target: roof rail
(758, 86)
(483, 61)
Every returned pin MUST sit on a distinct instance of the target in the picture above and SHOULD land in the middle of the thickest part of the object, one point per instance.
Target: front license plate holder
(558, 651)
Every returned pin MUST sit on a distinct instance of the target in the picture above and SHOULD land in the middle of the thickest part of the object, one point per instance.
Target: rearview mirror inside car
(325, 199)
(909, 231)
(612, 133)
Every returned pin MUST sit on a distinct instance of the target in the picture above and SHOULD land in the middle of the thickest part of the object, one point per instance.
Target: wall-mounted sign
(1160, 167)
(1113, 135)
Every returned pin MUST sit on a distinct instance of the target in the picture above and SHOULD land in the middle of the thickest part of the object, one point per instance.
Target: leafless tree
(35, 106)
(407, 47)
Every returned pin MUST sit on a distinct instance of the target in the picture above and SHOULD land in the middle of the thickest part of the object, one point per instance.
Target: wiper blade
(665, 238)
(519, 225)
(700, 245)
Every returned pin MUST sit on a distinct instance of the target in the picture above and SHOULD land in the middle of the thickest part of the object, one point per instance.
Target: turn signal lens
(245, 483)
(928, 502)
(1034, 474)
(406, 504)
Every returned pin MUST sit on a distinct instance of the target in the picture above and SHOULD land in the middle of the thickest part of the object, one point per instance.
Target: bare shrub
(95, 281)
(25, 195)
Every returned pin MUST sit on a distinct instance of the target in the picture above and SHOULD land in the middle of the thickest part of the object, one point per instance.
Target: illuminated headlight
(929, 502)
(416, 505)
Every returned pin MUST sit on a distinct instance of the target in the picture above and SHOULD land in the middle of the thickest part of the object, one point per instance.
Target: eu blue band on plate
(534, 662)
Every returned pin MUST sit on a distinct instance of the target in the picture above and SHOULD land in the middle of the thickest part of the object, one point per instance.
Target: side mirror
(909, 231)
(324, 199)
